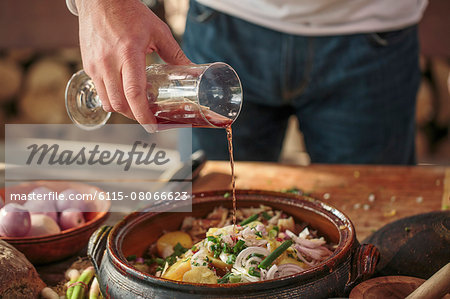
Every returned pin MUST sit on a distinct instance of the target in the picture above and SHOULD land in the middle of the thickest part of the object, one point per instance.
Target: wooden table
(371, 196)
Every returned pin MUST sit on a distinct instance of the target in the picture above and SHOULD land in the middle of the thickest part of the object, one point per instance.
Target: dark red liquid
(189, 114)
(233, 179)
(173, 113)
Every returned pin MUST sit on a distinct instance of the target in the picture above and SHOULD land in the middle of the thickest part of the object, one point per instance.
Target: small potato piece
(200, 275)
(177, 270)
(211, 231)
(167, 241)
(218, 263)
(284, 224)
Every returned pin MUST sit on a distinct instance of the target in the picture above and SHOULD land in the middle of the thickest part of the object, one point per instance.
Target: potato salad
(265, 244)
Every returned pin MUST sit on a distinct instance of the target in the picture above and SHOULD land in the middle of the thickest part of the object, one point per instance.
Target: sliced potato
(177, 270)
(211, 231)
(166, 242)
(284, 224)
(200, 275)
(218, 263)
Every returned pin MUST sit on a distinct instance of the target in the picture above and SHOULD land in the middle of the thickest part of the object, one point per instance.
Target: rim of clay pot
(344, 226)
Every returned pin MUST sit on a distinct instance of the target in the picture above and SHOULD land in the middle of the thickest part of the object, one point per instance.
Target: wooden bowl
(349, 264)
(51, 248)
(387, 287)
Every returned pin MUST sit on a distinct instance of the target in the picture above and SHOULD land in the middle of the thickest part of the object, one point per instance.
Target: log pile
(433, 111)
(32, 86)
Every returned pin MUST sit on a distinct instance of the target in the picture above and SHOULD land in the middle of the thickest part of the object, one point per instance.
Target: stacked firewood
(433, 111)
(32, 86)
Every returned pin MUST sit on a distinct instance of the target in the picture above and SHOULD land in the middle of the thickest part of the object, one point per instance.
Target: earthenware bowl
(350, 263)
(50, 248)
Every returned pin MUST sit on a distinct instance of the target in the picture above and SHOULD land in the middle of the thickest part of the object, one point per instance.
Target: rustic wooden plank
(371, 196)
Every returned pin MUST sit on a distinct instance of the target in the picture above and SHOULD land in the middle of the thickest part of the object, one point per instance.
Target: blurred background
(39, 52)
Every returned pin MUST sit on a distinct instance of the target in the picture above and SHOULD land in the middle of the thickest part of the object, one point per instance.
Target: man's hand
(115, 36)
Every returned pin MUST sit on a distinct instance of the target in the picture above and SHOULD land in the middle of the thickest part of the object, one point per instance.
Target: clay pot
(350, 263)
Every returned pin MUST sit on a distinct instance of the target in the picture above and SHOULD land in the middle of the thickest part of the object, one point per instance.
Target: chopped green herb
(131, 258)
(258, 233)
(212, 239)
(226, 195)
(149, 261)
(159, 261)
(293, 190)
(231, 259)
(253, 272)
(234, 278)
(179, 249)
(256, 254)
(275, 254)
(194, 248)
(266, 215)
(276, 228)
(239, 246)
(171, 260)
(249, 219)
(224, 279)
(227, 248)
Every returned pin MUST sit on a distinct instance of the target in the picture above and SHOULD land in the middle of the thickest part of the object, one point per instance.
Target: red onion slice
(243, 257)
(282, 271)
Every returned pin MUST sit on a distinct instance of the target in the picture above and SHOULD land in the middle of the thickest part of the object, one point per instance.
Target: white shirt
(324, 17)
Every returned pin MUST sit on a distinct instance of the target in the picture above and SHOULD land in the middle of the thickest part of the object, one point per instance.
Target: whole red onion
(70, 218)
(14, 221)
(45, 207)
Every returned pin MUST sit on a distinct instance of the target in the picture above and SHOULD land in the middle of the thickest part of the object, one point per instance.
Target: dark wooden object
(415, 246)
(387, 287)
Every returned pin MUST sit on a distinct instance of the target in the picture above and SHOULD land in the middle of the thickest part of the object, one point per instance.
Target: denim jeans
(354, 95)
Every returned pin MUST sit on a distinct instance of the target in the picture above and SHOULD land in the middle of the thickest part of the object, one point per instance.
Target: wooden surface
(396, 191)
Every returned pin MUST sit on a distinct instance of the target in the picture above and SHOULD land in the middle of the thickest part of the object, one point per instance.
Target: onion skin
(42, 225)
(282, 271)
(70, 218)
(42, 207)
(67, 203)
(15, 220)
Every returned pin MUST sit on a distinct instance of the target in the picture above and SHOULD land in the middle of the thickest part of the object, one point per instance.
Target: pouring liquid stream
(233, 179)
